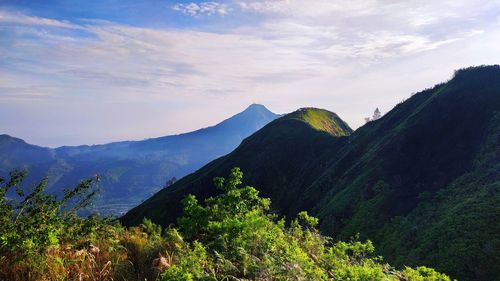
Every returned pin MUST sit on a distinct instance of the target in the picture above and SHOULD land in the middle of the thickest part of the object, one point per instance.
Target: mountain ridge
(430, 164)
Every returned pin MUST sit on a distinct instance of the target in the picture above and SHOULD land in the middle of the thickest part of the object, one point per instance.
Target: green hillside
(321, 120)
(422, 182)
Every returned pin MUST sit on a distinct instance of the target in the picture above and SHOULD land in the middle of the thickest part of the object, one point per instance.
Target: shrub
(233, 236)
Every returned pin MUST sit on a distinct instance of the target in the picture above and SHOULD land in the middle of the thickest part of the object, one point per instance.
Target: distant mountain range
(423, 181)
(130, 171)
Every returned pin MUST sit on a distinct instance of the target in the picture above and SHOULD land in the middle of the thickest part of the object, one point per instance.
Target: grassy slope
(321, 120)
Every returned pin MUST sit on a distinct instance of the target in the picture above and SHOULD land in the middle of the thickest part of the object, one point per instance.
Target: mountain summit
(131, 171)
(248, 121)
(256, 107)
(321, 120)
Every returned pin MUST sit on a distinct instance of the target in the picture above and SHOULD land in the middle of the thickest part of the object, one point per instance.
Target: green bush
(233, 236)
(33, 222)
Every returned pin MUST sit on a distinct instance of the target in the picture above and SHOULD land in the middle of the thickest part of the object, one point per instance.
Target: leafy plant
(233, 236)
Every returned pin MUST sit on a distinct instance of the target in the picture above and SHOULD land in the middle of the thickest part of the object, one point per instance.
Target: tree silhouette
(376, 114)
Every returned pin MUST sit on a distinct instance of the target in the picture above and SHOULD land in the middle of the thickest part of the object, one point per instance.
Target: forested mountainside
(423, 181)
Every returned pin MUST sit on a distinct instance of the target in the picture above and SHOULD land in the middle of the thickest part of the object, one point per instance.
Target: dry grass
(124, 255)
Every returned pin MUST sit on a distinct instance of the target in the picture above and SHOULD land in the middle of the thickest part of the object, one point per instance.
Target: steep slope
(131, 171)
(423, 182)
(281, 158)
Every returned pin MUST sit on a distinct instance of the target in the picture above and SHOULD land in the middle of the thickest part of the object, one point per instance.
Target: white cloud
(300, 8)
(263, 6)
(204, 8)
(18, 18)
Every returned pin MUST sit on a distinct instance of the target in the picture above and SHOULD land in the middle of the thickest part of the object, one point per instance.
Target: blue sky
(84, 72)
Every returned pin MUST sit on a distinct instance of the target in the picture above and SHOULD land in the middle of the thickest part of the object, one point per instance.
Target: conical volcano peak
(255, 116)
(256, 107)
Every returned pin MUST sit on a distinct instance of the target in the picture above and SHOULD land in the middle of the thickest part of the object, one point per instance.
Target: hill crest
(321, 120)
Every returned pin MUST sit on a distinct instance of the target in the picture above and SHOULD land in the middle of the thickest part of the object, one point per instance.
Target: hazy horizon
(148, 137)
(103, 71)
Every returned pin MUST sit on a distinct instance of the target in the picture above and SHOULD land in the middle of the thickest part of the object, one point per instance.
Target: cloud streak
(18, 18)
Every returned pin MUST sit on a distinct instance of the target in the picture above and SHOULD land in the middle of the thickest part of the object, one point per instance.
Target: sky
(96, 71)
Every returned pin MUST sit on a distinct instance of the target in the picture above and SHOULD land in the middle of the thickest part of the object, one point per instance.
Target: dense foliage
(233, 236)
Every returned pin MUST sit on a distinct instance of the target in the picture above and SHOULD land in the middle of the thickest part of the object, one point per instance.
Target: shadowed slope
(423, 182)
